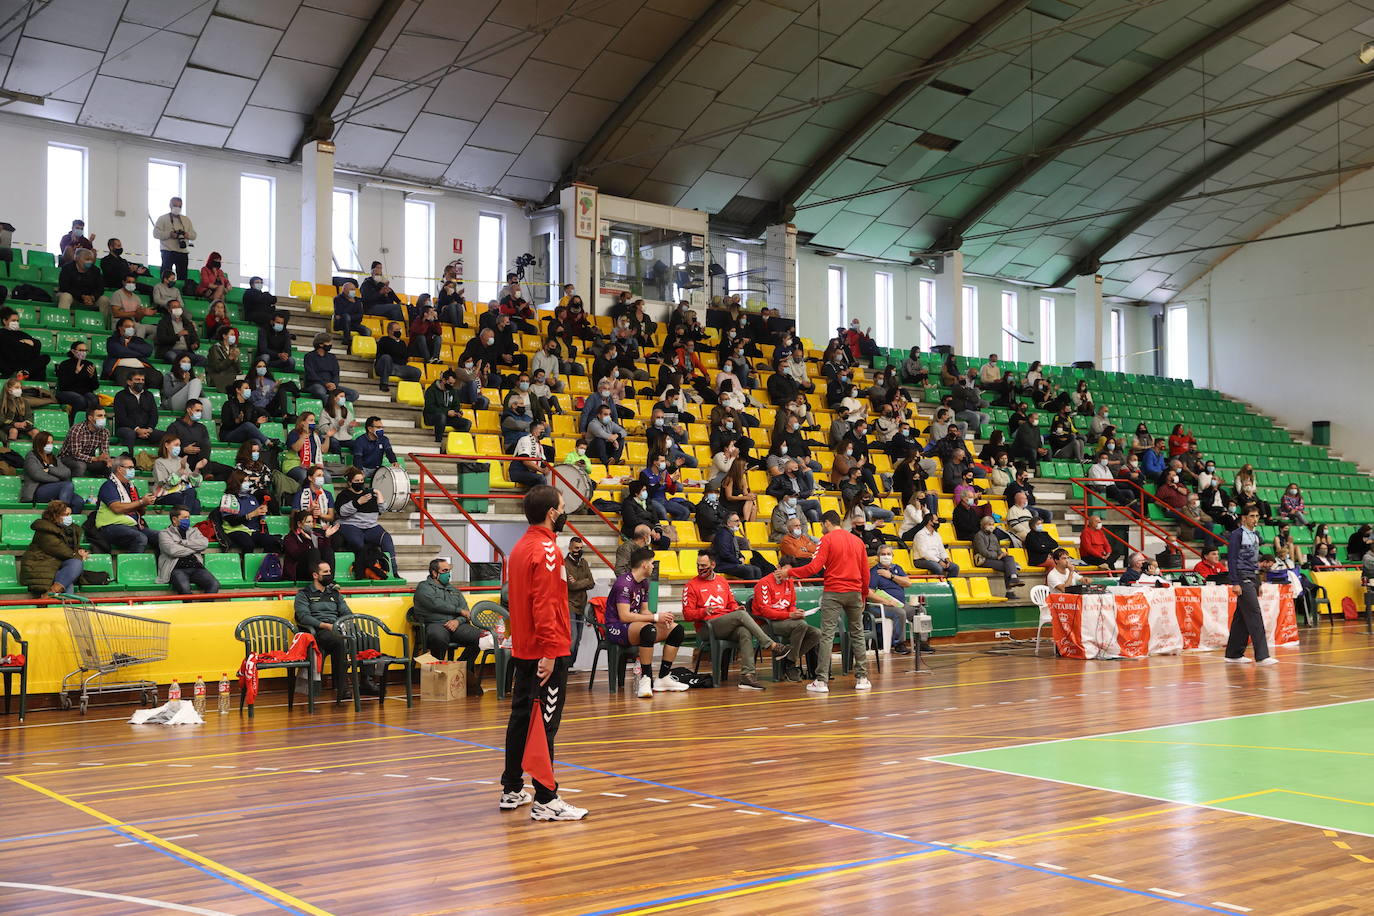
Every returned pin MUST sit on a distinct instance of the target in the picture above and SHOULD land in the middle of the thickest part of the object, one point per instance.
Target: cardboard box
(441, 681)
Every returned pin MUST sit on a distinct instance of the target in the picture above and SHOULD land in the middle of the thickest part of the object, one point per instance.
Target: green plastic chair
(137, 570)
(15, 532)
(93, 322)
(55, 318)
(226, 567)
(37, 258)
(9, 492)
(9, 576)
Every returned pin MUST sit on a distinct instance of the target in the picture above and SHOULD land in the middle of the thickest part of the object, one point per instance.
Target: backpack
(372, 563)
(30, 293)
(270, 570)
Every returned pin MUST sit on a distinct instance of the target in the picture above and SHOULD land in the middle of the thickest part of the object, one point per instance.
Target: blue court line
(200, 868)
(930, 847)
(199, 815)
(190, 736)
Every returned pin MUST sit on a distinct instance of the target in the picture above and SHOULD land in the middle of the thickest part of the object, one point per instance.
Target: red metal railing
(421, 504)
(1140, 518)
(287, 590)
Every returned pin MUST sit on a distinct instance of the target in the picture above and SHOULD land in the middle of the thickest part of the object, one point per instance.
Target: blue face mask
(197, 415)
(262, 370)
(184, 524)
(244, 487)
(174, 451)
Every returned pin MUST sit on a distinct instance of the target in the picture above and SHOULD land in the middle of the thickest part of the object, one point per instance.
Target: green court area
(1310, 766)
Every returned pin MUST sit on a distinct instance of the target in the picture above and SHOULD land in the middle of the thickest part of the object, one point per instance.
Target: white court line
(438, 779)
(614, 794)
(660, 801)
(700, 805)
(395, 776)
(1166, 893)
(220, 766)
(123, 898)
(799, 820)
(760, 762)
(757, 728)
(1107, 879)
(748, 812)
(1231, 906)
(1051, 867)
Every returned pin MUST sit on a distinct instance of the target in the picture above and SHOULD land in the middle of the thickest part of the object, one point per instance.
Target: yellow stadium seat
(325, 289)
(300, 289)
(321, 305)
(411, 393)
(687, 533)
(578, 384)
(961, 588)
(687, 563)
(980, 591)
(766, 505)
(946, 509)
(757, 533)
(460, 444)
(1052, 530)
(565, 425)
(487, 445)
(487, 421)
(758, 480)
(1019, 555)
(667, 563)
(963, 558)
(365, 347)
(461, 336)
(637, 452)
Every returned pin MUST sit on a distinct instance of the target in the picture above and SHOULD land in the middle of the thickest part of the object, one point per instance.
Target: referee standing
(1242, 556)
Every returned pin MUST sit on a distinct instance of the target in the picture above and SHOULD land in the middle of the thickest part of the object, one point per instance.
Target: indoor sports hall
(719, 456)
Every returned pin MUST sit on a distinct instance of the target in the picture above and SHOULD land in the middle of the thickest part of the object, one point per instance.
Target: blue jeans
(898, 618)
(125, 538)
(674, 507)
(877, 514)
(471, 393)
(185, 497)
(286, 365)
(183, 579)
(63, 491)
(67, 573)
(243, 432)
(520, 473)
(358, 538)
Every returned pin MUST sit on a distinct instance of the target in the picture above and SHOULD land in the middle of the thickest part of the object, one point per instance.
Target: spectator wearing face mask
(359, 517)
(798, 543)
(308, 542)
(452, 304)
(176, 338)
(120, 516)
(275, 342)
(348, 314)
(322, 370)
(605, 437)
(55, 558)
(195, 441)
(1292, 508)
(392, 357)
(727, 549)
(125, 302)
(529, 471)
(660, 484)
(259, 306)
(86, 449)
(443, 409)
(45, 477)
(115, 270)
(19, 350)
(78, 380)
(222, 365)
(181, 556)
(378, 297)
(239, 419)
(174, 231)
(173, 474)
(180, 385)
(214, 282)
(79, 284)
(243, 514)
(136, 414)
(372, 446)
(426, 335)
(126, 354)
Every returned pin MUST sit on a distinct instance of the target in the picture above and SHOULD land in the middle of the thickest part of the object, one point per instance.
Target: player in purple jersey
(629, 623)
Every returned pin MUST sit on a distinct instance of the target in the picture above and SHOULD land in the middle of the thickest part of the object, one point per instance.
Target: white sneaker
(512, 800)
(863, 683)
(1238, 660)
(557, 810)
(1268, 662)
(646, 687)
(669, 684)
(818, 687)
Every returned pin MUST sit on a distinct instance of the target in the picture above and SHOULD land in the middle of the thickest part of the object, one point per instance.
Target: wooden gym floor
(722, 801)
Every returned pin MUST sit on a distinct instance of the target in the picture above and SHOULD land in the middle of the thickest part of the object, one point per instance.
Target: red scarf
(302, 644)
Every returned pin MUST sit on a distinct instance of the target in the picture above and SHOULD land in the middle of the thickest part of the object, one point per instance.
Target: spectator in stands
(174, 231)
(1135, 568)
(314, 496)
(1019, 516)
(1027, 444)
(250, 461)
(195, 441)
(605, 437)
(307, 544)
(126, 303)
(243, 514)
(16, 417)
(55, 559)
(77, 379)
(914, 514)
(136, 414)
(736, 494)
(1211, 567)
(1100, 479)
(635, 509)
(443, 409)
(889, 578)
(274, 342)
(1200, 521)
(928, 550)
(426, 336)
(708, 599)
(260, 307)
(660, 486)
(173, 475)
(798, 543)
(728, 550)
(443, 612)
(516, 416)
(967, 406)
(1171, 555)
(126, 354)
(372, 446)
(306, 446)
(222, 363)
(711, 512)
(547, 361)
(1291, 506)
(1181, 442)
(180, 385)
(1039, 544)
(265, 393)
(79, 284)
(913, 371)
(1101, 426)
(1143, 439)
(775, 600)
(392, 355)
(1153, 463)
(175, 338)
(640, 536)
(860, 343)
(239, 419)
(114, 269)
(629, 623)
(181, 556)
(348, 314)
(1081, 399)
(797, 484)
(1064, 442)
(482, 358)
(1063, 577)
(529, 470)
(1246, 492)
(1286, 550)
(322, 370)
(1360, 542)
(1023, 484)
(452, 303)
(1096, 547)
(214, 282)
(1322, 535)
(989, 553)
(120, 516)
(45, 477)
(86, 450)
(73, 241)
(1321, 558)
(378, 297)
(165, 292)
(318, 607)
(21, 351)
(1172, 493)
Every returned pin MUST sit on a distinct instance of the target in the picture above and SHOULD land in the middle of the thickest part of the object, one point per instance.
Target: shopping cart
(107, 641)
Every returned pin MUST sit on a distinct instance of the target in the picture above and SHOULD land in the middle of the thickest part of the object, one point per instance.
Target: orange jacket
(539, 622)
(773, 599)
(707, 599)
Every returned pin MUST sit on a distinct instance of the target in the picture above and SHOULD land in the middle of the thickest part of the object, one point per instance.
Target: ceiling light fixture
(1367, 53)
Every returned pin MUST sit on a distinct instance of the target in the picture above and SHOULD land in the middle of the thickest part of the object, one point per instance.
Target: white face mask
(13, 325)
(176, 211)
(16, 392)
(176, 313)
(185, 367)
(130, 286)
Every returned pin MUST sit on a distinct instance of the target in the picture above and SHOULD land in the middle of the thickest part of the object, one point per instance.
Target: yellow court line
(772, 885)
(1095, 822)
(809, 737)
(1243, 747)
(1231, 798)
(1348, 801)
(181, 851)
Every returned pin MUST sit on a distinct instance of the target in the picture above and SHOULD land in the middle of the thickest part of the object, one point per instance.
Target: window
(491, 255)
(835, 287)
(419, 259)
(882, 304)
(1011, 345)
(66, 190)
(1176, 346)
(970, 319)
(345, 243)
(165, 181)
(736, 268)
(257, 217)
(926, 290)
(1117, 341)
(1047, 339)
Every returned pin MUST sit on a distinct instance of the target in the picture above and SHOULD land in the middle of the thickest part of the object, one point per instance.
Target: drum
(575, 484)
(392, 484)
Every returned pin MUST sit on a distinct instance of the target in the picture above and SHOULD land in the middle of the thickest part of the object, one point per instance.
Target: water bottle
(198, 696)
(174, 692)
(224, 694)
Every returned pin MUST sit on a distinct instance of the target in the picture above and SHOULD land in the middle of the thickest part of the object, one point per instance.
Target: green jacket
(438, 603)
(439, 402)
(315, 607)
(51, 545)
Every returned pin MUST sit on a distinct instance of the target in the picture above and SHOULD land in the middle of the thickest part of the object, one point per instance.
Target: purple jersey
(625, 590)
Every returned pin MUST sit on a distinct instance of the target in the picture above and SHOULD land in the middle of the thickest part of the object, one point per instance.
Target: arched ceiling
(1044, 135)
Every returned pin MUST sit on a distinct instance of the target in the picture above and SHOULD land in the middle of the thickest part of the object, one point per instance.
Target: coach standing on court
(540, 646)
(1242, 553)
(844, 560)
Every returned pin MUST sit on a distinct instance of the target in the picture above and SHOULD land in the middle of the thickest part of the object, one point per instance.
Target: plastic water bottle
(198, 696)
(224, 694)
(174, 692)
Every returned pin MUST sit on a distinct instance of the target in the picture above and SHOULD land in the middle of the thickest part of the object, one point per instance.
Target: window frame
(1011, 346)
(1116, 339)
(352, 263)
(884, 307)
(61, 225)
(836, 282)
(488, 289)
(156, 208)
(927, 306)
(260, 227)
(969, 298)
(412, 283)
(1049, 341)
(1170, 351)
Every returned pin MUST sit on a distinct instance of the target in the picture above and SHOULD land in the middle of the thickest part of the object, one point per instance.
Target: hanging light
(1367, 53)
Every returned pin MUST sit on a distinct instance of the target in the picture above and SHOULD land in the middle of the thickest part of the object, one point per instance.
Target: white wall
(1292, 320)
(117, 181)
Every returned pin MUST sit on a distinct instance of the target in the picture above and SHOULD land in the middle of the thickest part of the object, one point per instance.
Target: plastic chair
(266, 633)
(615, 659)
(1039, 596)
(7, 631)
(363, 631)
(495, 619)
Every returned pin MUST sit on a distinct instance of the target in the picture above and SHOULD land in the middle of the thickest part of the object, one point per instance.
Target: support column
(317, 211)
(579, 254)
(1089, 320)
(780, 263)
(949, 303)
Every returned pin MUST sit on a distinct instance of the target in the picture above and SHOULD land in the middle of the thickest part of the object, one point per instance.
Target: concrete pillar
(780, 265)
(317, 211)
(1089, 321)
(579, 254)
(949, 303)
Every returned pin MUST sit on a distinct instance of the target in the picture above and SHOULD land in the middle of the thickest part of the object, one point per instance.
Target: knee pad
(675, 636)
(648, 635)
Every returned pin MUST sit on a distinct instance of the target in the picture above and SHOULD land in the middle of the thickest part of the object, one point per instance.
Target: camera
(525, 260)
(180, 236)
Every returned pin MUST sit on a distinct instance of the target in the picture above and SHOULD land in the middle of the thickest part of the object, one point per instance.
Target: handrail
(420, 504)
(172, 598)
(1139, 518)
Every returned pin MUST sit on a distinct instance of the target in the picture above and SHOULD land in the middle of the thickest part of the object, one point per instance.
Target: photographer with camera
(175, 233)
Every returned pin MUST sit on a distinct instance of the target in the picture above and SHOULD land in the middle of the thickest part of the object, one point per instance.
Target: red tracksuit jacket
(706, 599)
(539, 623)
(844, 560)
(773, 599)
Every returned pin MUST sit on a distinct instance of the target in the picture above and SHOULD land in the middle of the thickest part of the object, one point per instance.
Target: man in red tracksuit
(775, 600)
(541, 643)
(708, 598)
(844, 561)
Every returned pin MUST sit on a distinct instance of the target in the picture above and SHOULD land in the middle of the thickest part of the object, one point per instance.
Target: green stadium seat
(55, 318)
(9, 492)
(15, 531)
(226, 567)
(37, 258)
(278, 525)
(101, 562)
(9, 576)
(210, 493)
(137, 570)
(251, 562)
